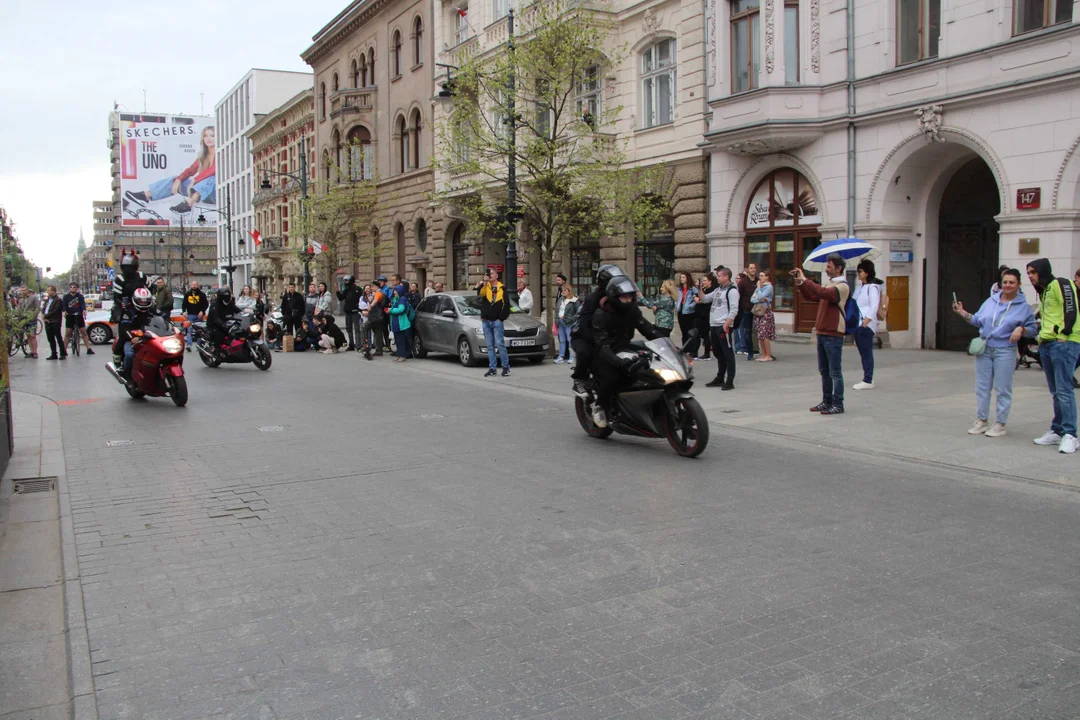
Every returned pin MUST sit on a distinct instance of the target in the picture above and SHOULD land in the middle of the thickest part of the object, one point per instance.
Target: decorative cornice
(322, 46)
(1061, 172)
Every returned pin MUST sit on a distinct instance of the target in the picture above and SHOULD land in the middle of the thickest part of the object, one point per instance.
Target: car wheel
(465, 353)
(418, 347)
(99, 334)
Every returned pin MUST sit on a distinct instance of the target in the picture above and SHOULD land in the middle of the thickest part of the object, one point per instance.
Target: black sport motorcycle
(656, 402)
(243, 344)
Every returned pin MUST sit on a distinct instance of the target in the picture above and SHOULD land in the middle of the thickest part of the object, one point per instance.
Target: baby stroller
(1027, 352)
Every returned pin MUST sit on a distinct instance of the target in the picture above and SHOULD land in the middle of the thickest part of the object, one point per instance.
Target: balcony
(274, 246)
(350, 101)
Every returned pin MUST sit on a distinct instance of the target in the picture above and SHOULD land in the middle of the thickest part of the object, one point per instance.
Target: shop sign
(901, 246)
(758, 246)
(901, 257)
(1028, 198)
(521, 271)
(784, 246)
(1029, 246)
(497, 267)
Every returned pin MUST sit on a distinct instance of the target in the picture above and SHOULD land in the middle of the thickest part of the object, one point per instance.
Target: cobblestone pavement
(407, 543)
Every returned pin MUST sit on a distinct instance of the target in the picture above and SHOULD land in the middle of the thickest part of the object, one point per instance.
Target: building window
(462, 31)
(395, 55)
(501, 8)
(654, 250)
(584, 262)
(421, 235)
(415, 128)
(460, 259)
(543, 109)
(363, 71)
(745, 53)
(587, 96)
(339, 155)
(375, 252)
(326, 165)
(361, 158)
(322, 101)
(400, 238)
(371, 67)
(658, 83)
(418, 41)
(355, 74)
(791, 43)
(403, 144)
(1036, 14)
(918, 27)
(336, 87)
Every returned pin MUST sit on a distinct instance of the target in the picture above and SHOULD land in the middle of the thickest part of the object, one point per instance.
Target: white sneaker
(599, 417)
(1069, 445)
(997, 431)
(559, 361)
(863, 386)
(978, 428)
(1050, 438)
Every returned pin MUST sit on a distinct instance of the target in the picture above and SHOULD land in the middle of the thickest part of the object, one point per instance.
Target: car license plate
(522, 343)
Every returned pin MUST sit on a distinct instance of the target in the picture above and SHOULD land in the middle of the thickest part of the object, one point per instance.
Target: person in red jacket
(830, 327)
(198, 183)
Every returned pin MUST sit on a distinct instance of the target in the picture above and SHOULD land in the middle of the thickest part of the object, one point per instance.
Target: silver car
(450, 323)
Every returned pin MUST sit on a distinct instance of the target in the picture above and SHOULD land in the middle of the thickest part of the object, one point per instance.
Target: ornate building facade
(373, 69)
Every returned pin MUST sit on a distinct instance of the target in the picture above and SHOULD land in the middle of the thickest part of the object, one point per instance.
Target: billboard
(167, 170)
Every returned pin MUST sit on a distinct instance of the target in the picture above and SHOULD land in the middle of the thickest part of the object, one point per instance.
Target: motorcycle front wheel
(585, 418)
(177, 390)
(687, 430)
(261, 357)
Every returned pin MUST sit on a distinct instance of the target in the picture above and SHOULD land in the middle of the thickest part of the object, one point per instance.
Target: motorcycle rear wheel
(688, 431)
(261, 357)
(177, 390)
(585, 418)
(210, 361)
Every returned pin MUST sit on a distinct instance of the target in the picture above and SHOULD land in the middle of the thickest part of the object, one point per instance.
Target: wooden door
(805, 310)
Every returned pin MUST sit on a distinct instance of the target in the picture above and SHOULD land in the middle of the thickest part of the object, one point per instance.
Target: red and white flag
(317, 249)
(256, 236)
(462, 11)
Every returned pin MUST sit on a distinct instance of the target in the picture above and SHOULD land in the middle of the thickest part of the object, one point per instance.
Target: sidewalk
(44, 652)
(921, 408)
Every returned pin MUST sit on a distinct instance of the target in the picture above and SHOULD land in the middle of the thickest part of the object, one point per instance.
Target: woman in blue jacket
(399, 323)
(1002, 321)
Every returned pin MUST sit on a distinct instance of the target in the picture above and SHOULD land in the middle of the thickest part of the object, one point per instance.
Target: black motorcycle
(656, 402)
(243, 344)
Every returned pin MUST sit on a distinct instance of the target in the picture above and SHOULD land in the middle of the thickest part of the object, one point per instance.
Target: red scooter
(158, 366)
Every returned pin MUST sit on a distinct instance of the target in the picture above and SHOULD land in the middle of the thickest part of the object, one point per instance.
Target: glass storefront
(654, 256)
(584, 262)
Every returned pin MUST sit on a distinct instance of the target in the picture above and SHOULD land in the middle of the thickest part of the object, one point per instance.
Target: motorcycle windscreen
(669, 354)
(160, 327)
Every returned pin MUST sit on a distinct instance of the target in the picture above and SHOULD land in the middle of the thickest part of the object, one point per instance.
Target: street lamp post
(302, 179)
(230, 268)
(510, 276)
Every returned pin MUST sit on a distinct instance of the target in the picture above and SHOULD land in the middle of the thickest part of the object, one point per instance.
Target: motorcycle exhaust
(115, 373)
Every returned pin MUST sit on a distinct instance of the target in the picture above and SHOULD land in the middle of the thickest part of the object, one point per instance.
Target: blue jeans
(743, 343)
(564, 339)
(829, 350)
(995, 368)
(493, 336)
(129, 358)
(1059, 362)
(192, 318)
(864, 341)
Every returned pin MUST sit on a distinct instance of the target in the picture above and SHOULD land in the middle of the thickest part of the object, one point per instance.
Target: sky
(64, 64)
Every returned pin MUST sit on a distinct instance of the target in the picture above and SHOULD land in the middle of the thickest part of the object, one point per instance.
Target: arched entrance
(967, 249)
(782, 227)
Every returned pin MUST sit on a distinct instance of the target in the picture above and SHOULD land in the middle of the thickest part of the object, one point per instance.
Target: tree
(538, 102)
(338, 209)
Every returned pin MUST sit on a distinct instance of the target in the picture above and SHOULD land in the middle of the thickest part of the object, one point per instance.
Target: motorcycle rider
(140, 315)
(349, 297)
(221, 309)
(125, 283)
(613, 325)
(581, 338)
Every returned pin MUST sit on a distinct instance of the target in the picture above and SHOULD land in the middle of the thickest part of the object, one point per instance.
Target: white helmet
(142, 300)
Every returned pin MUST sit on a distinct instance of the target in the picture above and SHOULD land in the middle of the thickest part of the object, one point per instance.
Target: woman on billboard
(198, 182)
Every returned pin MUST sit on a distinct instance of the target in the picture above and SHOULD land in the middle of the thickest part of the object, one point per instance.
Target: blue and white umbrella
(847, 248)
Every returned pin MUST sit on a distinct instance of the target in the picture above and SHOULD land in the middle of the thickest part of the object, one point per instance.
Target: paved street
(418, 542)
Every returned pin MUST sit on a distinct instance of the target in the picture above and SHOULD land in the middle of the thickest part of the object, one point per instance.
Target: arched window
(418, 41)
(322, 101)
(395, 55)
(338, 155)
(336, 86)
(375, 251)
(361, 157)
(355, 74)
(782, 222)
(402, 132)
(421, 235)
(363, 71)
(459, 249)
(371, 66)
(414, 127)
(326, 165)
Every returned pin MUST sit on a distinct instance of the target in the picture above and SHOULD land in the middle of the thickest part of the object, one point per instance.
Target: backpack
(410, 312)
(851, 313)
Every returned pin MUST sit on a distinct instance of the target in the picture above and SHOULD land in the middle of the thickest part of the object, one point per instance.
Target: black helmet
(348, 279)
(617, 286)
(224, 295)
(606, 272)
(129, 264)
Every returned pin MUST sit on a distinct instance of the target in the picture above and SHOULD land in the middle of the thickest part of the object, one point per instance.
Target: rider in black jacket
(613, 324)
(349, 297)
(221, 309)
(581, 339)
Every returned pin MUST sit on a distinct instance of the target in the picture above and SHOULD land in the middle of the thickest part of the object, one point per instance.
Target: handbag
(759, 309)
(977, 346)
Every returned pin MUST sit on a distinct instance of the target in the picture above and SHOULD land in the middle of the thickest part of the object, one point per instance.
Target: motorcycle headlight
(255, 328)
(668, 375)
(173, 345)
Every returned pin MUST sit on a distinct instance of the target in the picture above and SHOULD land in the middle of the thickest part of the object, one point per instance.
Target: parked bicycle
(19, 330)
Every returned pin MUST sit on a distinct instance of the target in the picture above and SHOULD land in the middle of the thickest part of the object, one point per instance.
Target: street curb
(80, 676)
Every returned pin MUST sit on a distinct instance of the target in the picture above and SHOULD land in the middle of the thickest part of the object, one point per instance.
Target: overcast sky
(64, 64)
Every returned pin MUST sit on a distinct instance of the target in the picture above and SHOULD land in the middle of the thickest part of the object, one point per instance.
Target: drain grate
(34, 485)
(119, 443)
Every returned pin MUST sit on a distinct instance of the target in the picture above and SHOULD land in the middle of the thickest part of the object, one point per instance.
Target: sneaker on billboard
(1050, 438)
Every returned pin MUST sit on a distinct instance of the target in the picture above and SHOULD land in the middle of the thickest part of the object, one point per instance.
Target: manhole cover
(432, 416)
(33, 485)
(271, 428)
(119, 443)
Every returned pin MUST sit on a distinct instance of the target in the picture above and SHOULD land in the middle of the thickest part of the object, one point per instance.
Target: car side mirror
(449, 314)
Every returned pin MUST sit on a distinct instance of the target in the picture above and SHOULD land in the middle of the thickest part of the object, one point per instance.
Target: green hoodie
(1052, 313)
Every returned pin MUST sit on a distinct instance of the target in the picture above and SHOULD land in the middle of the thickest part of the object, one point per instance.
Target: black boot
(715, 382)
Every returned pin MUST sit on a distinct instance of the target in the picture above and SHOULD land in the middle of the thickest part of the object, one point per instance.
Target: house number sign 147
(1028, 198)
